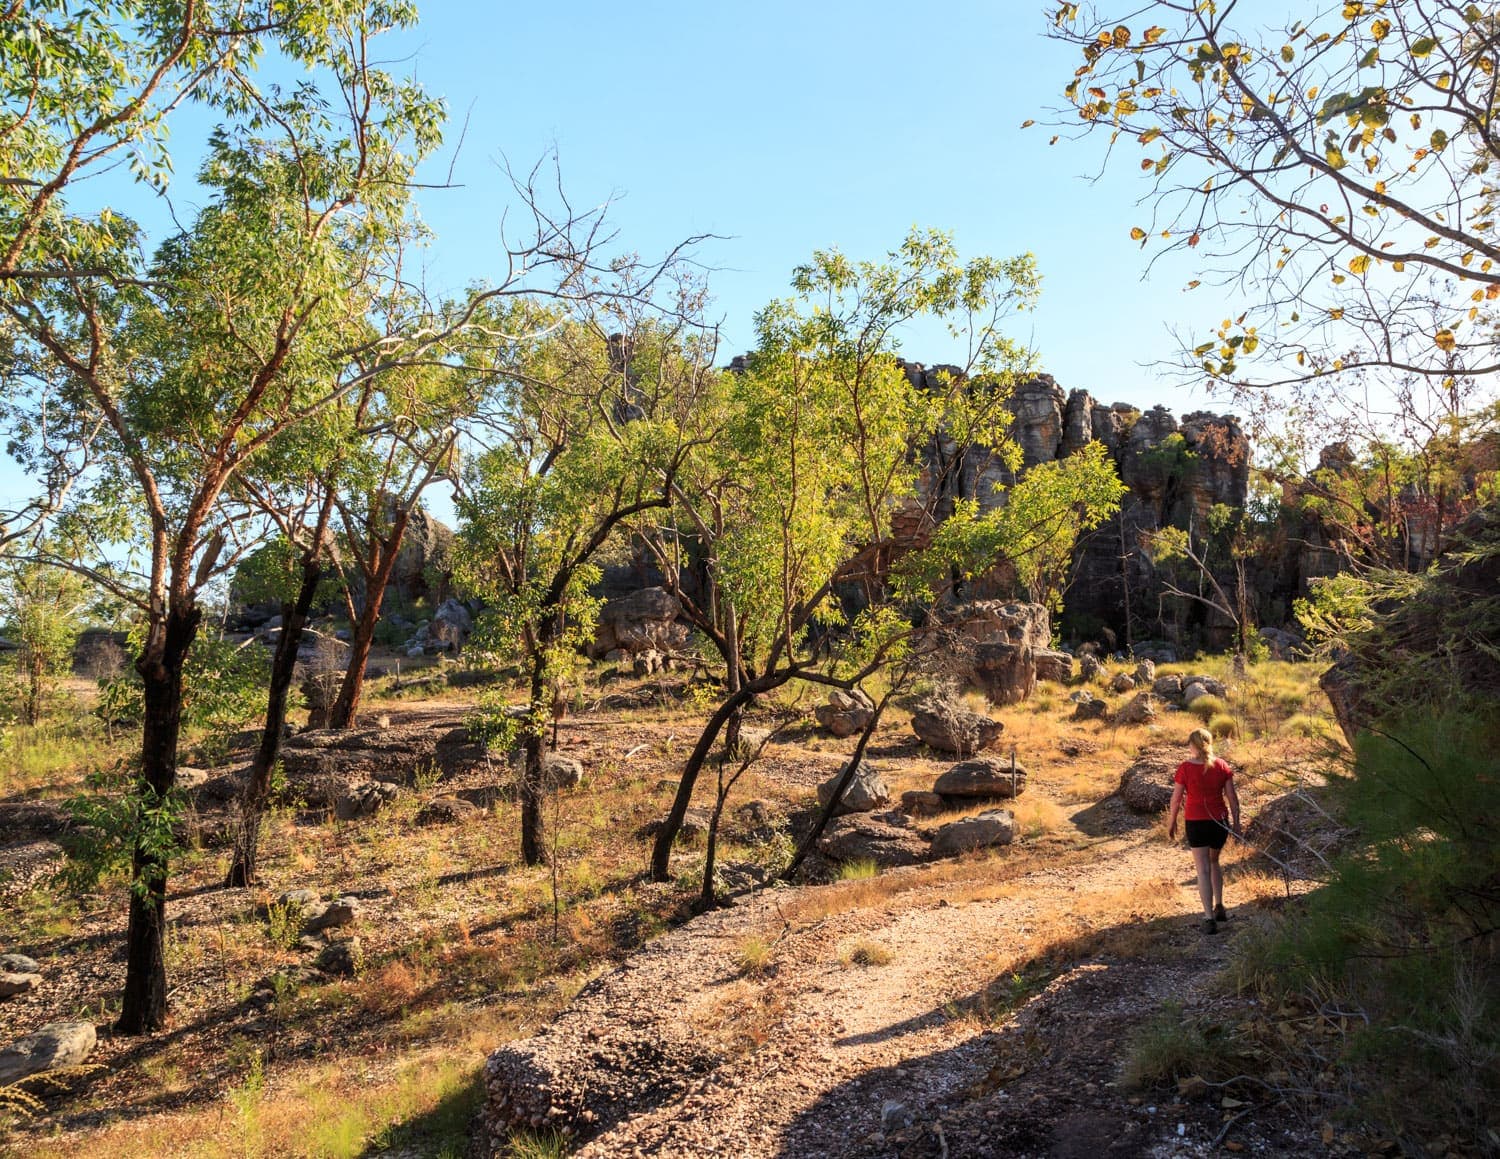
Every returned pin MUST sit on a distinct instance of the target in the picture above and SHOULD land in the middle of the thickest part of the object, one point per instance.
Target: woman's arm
(1174, 807)
(1234, 806)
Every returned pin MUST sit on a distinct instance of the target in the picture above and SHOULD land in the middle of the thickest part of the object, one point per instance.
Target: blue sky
(786, 127)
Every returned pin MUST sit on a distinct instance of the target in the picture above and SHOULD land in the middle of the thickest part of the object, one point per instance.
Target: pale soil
(844, 1041)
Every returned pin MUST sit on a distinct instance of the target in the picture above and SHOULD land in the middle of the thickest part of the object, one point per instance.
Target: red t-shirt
(1203, 789)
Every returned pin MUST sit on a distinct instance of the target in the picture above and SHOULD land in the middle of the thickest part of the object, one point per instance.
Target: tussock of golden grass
(864, 952)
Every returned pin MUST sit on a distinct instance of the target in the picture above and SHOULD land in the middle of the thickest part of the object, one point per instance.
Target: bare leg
(1218, 876)
(1205, 880)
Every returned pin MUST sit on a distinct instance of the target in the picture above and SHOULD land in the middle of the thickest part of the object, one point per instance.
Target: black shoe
(1210, 926)
(1220, 913)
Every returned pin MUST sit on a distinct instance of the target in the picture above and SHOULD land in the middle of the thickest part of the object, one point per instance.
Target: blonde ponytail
(1204, 740)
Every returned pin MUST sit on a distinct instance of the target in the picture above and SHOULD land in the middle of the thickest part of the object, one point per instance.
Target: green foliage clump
(1224, 725)
(1170, 1046)
(1205, 708)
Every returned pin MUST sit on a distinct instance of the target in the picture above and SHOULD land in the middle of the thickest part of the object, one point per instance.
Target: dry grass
(864, 952)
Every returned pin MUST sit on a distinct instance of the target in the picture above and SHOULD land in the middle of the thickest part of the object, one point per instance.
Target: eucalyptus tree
(200, 358)
(1338, 165)
(584, 435)
(822, 429)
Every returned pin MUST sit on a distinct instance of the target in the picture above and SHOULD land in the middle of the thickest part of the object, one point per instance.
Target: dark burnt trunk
(839, 789)
(661, 852)
(243, 867)
(533, 787)
(144, 1007)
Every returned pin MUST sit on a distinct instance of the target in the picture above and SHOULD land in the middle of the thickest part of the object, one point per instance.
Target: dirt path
(935, 1051)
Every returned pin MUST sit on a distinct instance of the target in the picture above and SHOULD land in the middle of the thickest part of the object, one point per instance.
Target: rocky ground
(980, 1025)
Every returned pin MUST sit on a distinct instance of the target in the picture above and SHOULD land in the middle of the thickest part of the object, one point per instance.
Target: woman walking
(1201, 786)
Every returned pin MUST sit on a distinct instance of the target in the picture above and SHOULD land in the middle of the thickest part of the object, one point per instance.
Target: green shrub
(1304, 725)
(1224, 725)
(1205, 708)
(858, 870)
(1168, 1047)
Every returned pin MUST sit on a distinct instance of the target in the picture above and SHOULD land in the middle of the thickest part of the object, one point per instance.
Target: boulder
(1207, 683)
(1146, 786)
(1145, 672)
(643, 621)
(1140, 709)
(328, 915)
(12, 984)
(1006, 672)
(1091, 709)
(447, 811)
(872, 837)
(1192, 692)
(1167, 687)
(364, 800)
(321, 763)
(696, 823)
(1344, 696)
(952, 729)
(301, 898)
(340, 959)
(1089, 668)
(19, 964)
(846, 713)
(1054, 666)
(1123, 682)
(990, 828)
(451, 625)
(54, 1046)
(865, 793)
(561, 772)
(981, 777)
(917, 803)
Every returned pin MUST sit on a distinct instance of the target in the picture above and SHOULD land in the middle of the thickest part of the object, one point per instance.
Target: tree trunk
(243, 867)
(532, 790)
(661, 852)
(839, 789)
(346, 707)
(144, 1008)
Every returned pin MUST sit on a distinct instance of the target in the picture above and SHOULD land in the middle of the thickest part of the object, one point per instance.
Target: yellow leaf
(1312, 93)
(1137, 233)
(1336, 313)
(1360, 264)
(1445, 340)
(1120, 36)
(1027, 124)
(1398, 266)
(1149, 135)
(1153, 34)
(1380, 187)
(1380, 29)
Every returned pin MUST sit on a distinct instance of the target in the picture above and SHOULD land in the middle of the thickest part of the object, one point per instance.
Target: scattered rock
(1054, 666)
(364, 800)
(19, 964)
(695, 823)
(561, 772)
(647, 663)
(327, 915)
(301, 898)
(189, 778)
(1206, 685)
(865, 793)
(952, 729)
(451, 625)
(1123, 682)
(990, 828)
(643, 621)
(1089, 668)
(341, 959)
(846, 713)
(895, 1116)
(54, 1046)
(1006, 671)
(1167, 687)
(1145, 673)
(1091, 709)
(982, 777)
(447, 811)
(868, 837)
(916, 803)
(1146, 786)
(1141, 709)
(12, 984)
